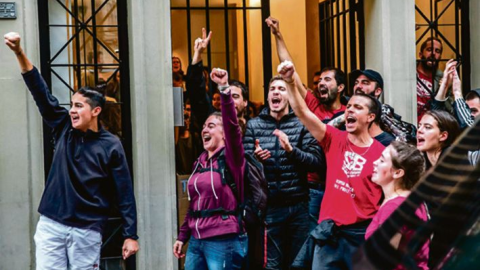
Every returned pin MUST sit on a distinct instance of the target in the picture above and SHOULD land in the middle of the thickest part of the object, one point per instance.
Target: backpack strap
(222, 167)
(226, 180)
(202, 170)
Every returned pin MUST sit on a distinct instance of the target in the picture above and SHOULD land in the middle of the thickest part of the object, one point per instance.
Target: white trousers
(60, 247)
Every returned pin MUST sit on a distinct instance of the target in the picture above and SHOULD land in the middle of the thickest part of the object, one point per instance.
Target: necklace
(352, 190)
(349, 147)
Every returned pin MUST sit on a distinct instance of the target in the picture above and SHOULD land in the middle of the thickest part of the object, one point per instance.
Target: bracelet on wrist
(292, 81)
(222, 88)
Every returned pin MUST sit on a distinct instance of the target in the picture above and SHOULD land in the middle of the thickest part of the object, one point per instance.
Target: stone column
(390, 50)
(153, 140)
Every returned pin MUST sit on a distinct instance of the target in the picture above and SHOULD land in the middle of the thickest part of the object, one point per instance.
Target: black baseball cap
(473, 93)
(371, 74)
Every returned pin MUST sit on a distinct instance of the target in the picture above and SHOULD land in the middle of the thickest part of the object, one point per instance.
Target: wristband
(290, 82)
(222, 88)
(19, 52)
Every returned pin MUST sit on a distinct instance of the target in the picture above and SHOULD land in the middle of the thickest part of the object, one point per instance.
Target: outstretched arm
(200, 45)
(282, 51)
(309, 120)
(197, 84)
(53, 114)
(12, 40)
(234, 152)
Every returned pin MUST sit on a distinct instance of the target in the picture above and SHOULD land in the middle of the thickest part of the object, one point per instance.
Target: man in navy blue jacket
(89, 175)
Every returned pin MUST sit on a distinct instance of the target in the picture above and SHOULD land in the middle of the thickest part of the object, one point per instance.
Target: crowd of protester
(336, 167)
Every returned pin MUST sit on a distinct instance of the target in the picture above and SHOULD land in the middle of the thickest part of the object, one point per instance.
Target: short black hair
(240, 85)
(473, 94)
(339, 75)
(374, 107)
(95, 97)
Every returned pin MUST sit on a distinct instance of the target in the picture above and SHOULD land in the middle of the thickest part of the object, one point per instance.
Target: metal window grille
(228, 10)
(74, 35)
(443, 19)
(342, 39)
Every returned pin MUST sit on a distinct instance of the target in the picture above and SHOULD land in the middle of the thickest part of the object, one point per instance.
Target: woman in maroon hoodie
(216, 239)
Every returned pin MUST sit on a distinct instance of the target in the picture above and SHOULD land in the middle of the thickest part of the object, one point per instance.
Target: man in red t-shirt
(428, 75)
(351, 199)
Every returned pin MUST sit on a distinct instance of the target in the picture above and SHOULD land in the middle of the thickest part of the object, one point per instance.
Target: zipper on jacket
(278, 173)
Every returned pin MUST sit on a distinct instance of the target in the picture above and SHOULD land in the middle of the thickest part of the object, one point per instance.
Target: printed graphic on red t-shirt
(353, 164)
(424, 86)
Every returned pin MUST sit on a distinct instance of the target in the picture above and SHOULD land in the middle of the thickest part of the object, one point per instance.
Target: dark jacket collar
(265, 113)
(88, 134)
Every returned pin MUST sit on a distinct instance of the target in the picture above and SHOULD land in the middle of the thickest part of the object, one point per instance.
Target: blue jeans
(287, 229)
(223, 252)
(316, 197)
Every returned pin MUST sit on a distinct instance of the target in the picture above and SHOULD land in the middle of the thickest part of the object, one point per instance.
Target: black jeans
(335, 245)
(287, 229)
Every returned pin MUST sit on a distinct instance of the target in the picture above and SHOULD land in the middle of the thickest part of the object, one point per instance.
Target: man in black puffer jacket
(287, 150)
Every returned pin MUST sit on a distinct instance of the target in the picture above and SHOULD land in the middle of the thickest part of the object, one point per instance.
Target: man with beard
(287, 150)
(428, 75)
(370, 82)
(326, 104)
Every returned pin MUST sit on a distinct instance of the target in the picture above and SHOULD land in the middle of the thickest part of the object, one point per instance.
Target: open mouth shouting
(359, 91)
(420, 141)
(275, 103)
(431, 61)
(323, 91)
(75, 119)
(350, 121)
(206, 138)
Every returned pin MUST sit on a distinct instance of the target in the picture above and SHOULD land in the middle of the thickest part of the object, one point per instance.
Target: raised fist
(219, 76)
(12, 40)
(274, 25)
(286, 70)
